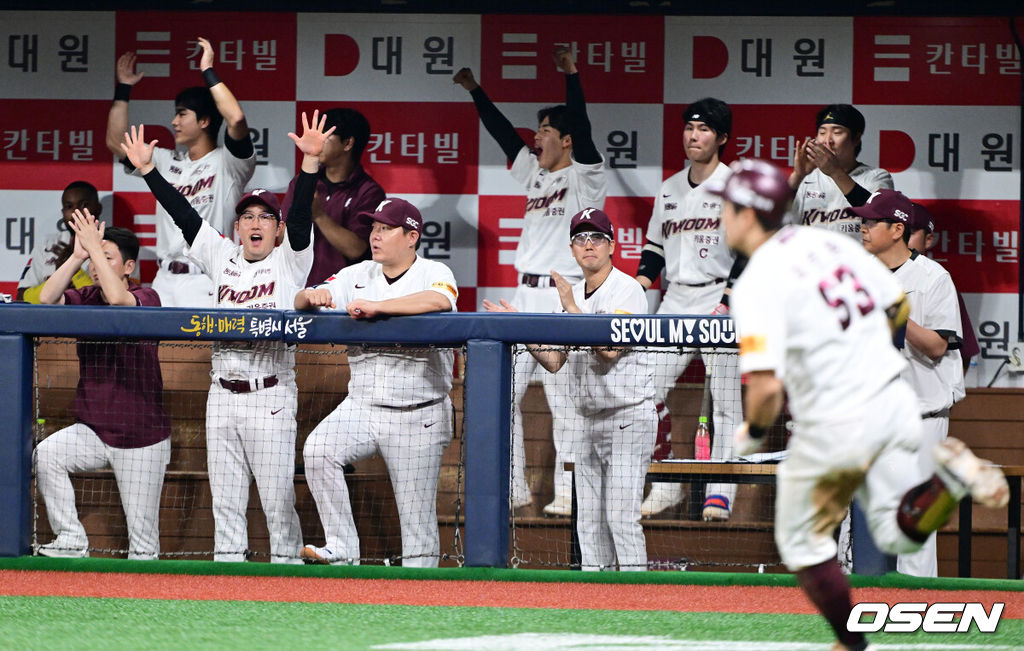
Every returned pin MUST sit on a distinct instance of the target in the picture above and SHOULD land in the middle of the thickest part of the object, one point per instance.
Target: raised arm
(89, 235)
(583, 149)
(300, 212)
(493, 120)
(234, 118)
(549, 357)
(117, 117)
(181, 211)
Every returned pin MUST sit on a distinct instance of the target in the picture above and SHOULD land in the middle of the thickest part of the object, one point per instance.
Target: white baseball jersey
(687, 224)
(552, 198)
(270, 283)
(819, 202)
(39, 267)
(810, 306)
(626, 380)
(933, 305)
(213, 185)
(400, 378)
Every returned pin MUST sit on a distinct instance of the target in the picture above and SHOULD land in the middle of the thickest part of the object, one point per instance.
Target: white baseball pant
(140, 477)
(411, 442)
(543, 300)
(866, 456)
(252, 435)
(924, 562)
(613, 460)
(727, 403)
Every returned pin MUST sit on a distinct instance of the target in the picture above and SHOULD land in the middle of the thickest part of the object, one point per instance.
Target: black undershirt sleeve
(239, 148)
(300, 213)
(583, 149)
(181, 211)
(651, 264)
(497, 124)
(738, 265)
(858, 196)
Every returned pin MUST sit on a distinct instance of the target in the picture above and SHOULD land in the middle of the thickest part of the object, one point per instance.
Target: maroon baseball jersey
(120, 392)
(343, 202)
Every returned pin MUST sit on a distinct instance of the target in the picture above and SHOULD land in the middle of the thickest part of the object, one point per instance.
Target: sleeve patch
(446, 287)
(753, 344)
(621, 312)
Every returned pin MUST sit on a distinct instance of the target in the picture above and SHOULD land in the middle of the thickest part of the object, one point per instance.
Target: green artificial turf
(87, 623)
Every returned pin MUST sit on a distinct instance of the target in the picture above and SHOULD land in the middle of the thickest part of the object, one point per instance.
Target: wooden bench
(684, 471)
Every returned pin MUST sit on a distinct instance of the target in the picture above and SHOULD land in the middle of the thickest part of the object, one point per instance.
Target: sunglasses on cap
(597, 238)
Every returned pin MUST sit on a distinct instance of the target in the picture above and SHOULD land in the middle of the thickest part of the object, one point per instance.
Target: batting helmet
(761, 186)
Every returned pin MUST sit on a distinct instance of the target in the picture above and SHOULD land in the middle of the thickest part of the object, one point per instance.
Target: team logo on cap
(586, 213)
(411, 222)
(382, 204)
(257, 193)
(902, 215)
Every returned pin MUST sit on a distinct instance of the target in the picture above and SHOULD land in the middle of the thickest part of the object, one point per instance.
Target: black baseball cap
(844, 115)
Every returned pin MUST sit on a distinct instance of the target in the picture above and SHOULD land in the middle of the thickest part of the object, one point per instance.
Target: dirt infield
(682, 598)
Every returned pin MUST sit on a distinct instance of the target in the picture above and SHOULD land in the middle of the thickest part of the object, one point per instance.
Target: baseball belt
(710, 282)
(248, 386)
(938, 413)
(536, 280)
(419, 405)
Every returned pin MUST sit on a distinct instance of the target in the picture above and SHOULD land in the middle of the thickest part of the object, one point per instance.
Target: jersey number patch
(844, 294)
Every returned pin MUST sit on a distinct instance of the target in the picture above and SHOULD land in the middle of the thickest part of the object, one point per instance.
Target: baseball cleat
(560, 506)
(313, 555)
(60, 549)
(716, 508)
(963, 473)
(663, 496)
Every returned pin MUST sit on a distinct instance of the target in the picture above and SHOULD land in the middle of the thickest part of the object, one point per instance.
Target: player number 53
(843, 292)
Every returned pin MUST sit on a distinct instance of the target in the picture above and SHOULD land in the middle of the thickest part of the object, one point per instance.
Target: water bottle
(702, 440)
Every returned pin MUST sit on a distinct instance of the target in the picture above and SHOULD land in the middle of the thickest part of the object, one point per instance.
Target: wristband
(122, 92)
(756, 431)
(210, 77)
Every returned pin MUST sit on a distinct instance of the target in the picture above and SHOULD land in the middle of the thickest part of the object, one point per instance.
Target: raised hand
(565, 293)
(464, 77)
(311, 143)
(564, 60)
(139, 153)
(802, 165)
(126, 73)
(504, 307)
(823, 158)
(206, 61)
(88, 234)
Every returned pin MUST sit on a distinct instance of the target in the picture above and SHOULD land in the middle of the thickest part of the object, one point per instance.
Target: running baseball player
(55, 249)
(563, 173)
(119, 410)
(615, 429)
(397, 404)
(932, 349)
(685, 238)
(344, 193)
(212, 178)
(250, 413)
(828, 178)
(816, 317)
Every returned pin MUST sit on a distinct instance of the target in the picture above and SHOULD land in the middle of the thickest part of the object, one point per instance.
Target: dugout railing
(488, 340)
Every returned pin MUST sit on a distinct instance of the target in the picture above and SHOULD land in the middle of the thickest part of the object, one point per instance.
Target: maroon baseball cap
(397, 212)
(259, 195)
(921, 219)
(592, 219)
(886, 206)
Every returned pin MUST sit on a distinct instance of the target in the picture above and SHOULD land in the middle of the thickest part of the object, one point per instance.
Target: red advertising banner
(950, 61)
(620, 58)
(44, 145)
(254, 52)
(413, 150)
(977, 242)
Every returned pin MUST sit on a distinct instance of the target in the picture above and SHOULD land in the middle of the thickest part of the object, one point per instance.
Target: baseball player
(816, 317)
(250, 412)
(47, 256)
(685, 238)
(212, 178)
(615, 430)
(828, 178)
(344, 192)
(922, 239)
(397, 404)
(562, 173)
(932, 349)
(119, 411)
